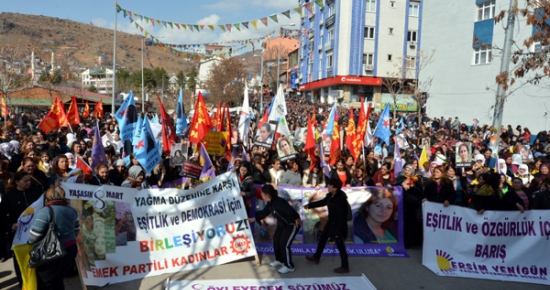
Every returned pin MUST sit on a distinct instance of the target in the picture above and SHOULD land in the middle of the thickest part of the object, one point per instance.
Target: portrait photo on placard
(300, 136)
(285, 149)
(463, 154)
(178, 154)
(525, 152)
(402, 141)
(265, 134)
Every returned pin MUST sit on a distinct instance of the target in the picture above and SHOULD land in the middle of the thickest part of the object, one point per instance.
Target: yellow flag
(211, 27)
(254, 24)
(27, 274)
(423, 157)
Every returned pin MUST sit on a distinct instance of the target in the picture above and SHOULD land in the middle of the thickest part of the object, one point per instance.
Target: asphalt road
(384, 273)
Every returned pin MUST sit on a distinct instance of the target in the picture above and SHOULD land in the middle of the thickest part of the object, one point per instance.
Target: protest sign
(360, 240)
(178, 154)
(129, 234)
(26, 220)
(349, 283)
(285, 150)
(215, 142)
(525, 152)
(497, 245)
(265, 135)
(191, 170)
(463, 155)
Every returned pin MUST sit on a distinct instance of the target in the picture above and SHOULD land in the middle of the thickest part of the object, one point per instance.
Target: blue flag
(155, 119)
(127, 118)
(137, 131)
(181, 118)
(98, 151)
(383, 128)
(329, 129)
(147, 151)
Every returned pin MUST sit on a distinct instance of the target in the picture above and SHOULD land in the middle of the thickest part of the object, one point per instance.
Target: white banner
(497, 245)
(341, 283)
(128, 234)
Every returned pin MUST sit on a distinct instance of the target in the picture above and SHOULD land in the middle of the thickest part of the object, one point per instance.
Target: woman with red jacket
(384, 176)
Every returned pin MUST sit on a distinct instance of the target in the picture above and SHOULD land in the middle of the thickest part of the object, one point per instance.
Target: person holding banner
(67, 226)
(337, 227)
(440, 189)
(376, 222)
(288, 225)
(136, 178)
(246, 184)
(519, 197)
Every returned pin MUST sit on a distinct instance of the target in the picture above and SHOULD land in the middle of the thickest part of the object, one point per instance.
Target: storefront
(348, 88)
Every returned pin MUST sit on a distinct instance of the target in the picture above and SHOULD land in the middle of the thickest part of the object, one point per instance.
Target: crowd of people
(517, 177)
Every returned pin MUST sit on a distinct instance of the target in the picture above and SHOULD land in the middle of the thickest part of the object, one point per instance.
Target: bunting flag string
(224, 27)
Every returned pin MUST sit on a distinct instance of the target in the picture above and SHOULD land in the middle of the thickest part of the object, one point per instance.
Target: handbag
(49, 248)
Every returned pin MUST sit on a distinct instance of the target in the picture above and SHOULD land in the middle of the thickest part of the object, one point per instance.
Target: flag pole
(114, 64)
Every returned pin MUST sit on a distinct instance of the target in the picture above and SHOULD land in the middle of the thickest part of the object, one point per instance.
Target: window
(536, 47)
(389, 57)
(330, 35)
(369, 32)
(391, 30)
(329, 59)
(310, 68)
(368, 59)
(331, 10)
(312, 22)
(414, 9)
(482, 55)
(311, 45)
(486, 10)
(411, 62)
(392, 4)
(411, 36)
(371, 5)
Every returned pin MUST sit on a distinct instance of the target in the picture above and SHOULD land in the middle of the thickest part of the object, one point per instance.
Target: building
(218, 50)
(350, 45)
(205, 67)
(462, 69)
(273, 49)
(291, 77)
(101, 79)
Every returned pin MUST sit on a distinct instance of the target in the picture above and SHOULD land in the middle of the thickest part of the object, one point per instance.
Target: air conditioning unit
(321, 22)
(412, 44)
(320, 47)
(369, 67)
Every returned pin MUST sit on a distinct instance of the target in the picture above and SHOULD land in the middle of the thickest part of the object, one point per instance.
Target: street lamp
(279, 54)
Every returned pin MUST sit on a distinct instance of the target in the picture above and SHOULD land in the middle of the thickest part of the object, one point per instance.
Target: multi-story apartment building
(102, 79)
(463, 69)
(350, 45)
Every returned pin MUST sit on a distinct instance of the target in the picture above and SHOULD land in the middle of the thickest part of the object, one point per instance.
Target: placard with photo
(178, 153)
(463, 154)
(265, 135)
(285, 150)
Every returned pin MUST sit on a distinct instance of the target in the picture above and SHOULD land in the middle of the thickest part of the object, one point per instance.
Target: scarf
(57, 202)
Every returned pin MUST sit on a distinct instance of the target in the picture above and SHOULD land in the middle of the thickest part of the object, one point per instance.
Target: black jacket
(446, 193)
(261, 177)
(247, 186)
(279, 209)
(510, 199)
(337, 224)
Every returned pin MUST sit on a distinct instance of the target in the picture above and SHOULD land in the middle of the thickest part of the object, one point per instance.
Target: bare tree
(395, 83)
(226, 81)
(420, 89)
(270, 56)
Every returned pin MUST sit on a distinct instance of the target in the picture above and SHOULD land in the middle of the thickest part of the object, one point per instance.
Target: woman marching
(288, 224)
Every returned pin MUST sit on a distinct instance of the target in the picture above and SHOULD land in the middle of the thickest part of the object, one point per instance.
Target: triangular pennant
(309, 7)
(130, 13)
(245, 24)
(299, 11)
(141, 17)
(274, 18)
(254, 24)
(164, 24)
(211, 27)
(171, 26)
(286, 13)
(118, 8)
(146, 19)
(125, 14)
(146, 33)
(190, 27)
(264, 21)
(152, 21)
(131, 20)
(197, 28)
(184, 26)
(158, 22)
(228, 25)
(141, 28)
(320, 3)
(201, 26)
(222, 27)
(177, 25)
(137, 26)
(238, 26)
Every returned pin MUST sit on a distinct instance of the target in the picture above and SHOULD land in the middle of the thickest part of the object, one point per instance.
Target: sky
(102, 13)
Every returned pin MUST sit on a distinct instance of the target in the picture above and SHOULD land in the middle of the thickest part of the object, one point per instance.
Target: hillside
(78, 44)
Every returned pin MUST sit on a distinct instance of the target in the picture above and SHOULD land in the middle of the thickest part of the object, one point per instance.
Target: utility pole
(113, 111)
(504, 67)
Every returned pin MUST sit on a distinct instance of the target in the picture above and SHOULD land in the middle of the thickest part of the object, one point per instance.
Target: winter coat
(337, 205)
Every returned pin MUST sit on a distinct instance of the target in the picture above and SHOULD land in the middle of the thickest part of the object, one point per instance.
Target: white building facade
(101, 79)
(350, 45)
(463, 69)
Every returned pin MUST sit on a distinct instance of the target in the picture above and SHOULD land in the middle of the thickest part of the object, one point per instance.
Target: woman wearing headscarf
(136, 178)
(71, 160)
(413, 188)
(67, 225)
(119, 173)
(524, 175)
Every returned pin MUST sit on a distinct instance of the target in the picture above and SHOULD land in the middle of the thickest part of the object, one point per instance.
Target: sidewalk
(384, 273)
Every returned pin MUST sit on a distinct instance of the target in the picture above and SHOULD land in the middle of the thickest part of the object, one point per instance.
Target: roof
(39, 96)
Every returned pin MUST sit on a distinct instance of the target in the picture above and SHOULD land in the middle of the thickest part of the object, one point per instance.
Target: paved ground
(384, 273)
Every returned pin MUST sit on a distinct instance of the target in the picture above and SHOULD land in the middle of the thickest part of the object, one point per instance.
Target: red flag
(72, 114)
(168, 136)
(335, 145)
(5, 110)
(88, 173)
(314, 117)
(86, 112)
(55, 119)
(201, 123)
(98, 110)
(310, 142)
(264, 119)
(217, 118)
(229, 130)
(351, 142)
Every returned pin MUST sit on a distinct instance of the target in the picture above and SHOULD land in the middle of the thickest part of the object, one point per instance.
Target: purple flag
(206, 163)
(98, 152)
(244, 156)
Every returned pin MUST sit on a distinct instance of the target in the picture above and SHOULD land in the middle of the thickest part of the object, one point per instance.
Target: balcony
(329, 72)
(330, 20)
